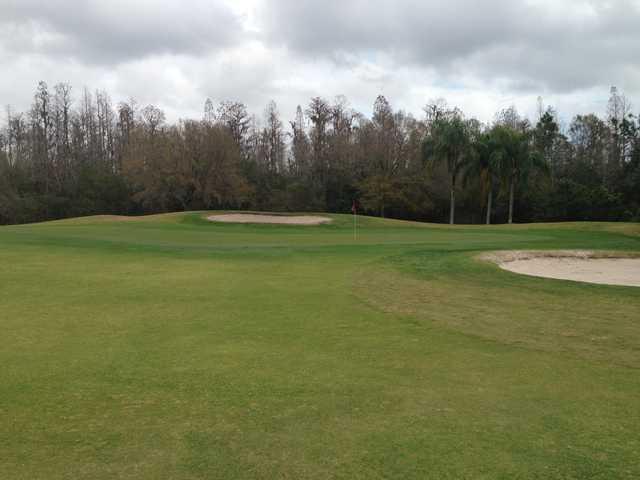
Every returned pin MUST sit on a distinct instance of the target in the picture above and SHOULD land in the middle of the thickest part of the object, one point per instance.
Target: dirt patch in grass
(606, 268)
(276, 219)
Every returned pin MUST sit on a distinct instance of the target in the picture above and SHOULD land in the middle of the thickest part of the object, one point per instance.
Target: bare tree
(300, 148)
(273, 139)
(209, 111)
(153, 118)
(235, 117)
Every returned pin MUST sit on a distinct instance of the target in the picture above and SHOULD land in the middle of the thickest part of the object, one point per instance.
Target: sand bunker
(259, 218)
(580, 266)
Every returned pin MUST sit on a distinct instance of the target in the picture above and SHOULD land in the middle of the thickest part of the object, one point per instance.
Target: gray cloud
(565, 46)
(114, 31)
(480, 55)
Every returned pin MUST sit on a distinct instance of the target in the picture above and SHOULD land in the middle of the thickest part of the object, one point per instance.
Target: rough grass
(171, 347)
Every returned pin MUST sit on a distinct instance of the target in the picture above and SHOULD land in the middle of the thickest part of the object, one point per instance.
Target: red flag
(354, 209)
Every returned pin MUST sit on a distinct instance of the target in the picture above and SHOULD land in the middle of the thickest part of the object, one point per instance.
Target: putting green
(174, 347)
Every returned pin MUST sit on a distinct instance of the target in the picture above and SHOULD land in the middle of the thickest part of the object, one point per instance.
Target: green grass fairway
(169, 347)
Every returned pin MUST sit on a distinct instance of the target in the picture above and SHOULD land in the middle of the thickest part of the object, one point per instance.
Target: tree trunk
(512, 186)
(489, 205)
(452, 208)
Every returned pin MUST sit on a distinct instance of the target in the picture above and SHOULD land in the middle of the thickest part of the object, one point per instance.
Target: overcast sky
(480, 55)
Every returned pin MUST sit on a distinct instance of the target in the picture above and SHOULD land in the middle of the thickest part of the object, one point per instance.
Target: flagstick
(355, 216)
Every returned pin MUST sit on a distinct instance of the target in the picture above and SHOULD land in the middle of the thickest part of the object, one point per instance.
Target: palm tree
(517, 157)
(484, 164)
(448, 141)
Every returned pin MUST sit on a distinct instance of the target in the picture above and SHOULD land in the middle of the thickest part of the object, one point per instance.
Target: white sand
(580, 266)
(259, 218)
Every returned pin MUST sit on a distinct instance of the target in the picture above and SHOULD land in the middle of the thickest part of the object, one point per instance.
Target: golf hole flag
(354, 210)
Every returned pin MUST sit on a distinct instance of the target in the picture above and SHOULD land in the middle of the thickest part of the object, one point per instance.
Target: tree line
(69, 156)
